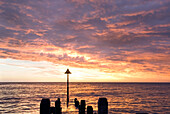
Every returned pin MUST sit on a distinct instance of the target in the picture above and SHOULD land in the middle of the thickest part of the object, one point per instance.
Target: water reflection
(122, 98)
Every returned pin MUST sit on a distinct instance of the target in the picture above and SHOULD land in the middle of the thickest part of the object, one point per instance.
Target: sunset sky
(98, 40)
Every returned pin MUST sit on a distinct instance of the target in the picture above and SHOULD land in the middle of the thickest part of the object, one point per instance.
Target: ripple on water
(122, 98)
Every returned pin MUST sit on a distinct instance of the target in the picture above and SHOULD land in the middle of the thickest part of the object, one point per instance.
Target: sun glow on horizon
(45, 71)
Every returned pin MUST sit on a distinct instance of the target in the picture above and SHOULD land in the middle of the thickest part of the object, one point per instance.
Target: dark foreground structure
(46, 109)
(102, 107)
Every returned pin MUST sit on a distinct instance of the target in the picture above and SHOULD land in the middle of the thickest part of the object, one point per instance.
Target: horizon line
(77, 82)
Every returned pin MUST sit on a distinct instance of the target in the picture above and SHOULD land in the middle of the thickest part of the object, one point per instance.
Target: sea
(123, 98)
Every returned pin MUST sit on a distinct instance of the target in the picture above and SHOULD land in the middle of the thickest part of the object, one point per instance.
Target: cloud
(113, 36)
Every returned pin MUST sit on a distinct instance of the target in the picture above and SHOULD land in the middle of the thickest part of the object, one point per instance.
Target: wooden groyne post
(76, 103)
(89, 110)
(58, 106)
(102, 106)
(82, 107)
(45, 106)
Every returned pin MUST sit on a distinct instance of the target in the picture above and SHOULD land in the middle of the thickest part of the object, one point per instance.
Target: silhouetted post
(45, 106)
(52, 110)
(58, 106)
(76, 102)
(102, 106)
(67, 72)
(82, 107)
(89, 110)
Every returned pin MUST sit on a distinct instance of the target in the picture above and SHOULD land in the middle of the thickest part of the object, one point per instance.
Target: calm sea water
(122, 97)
